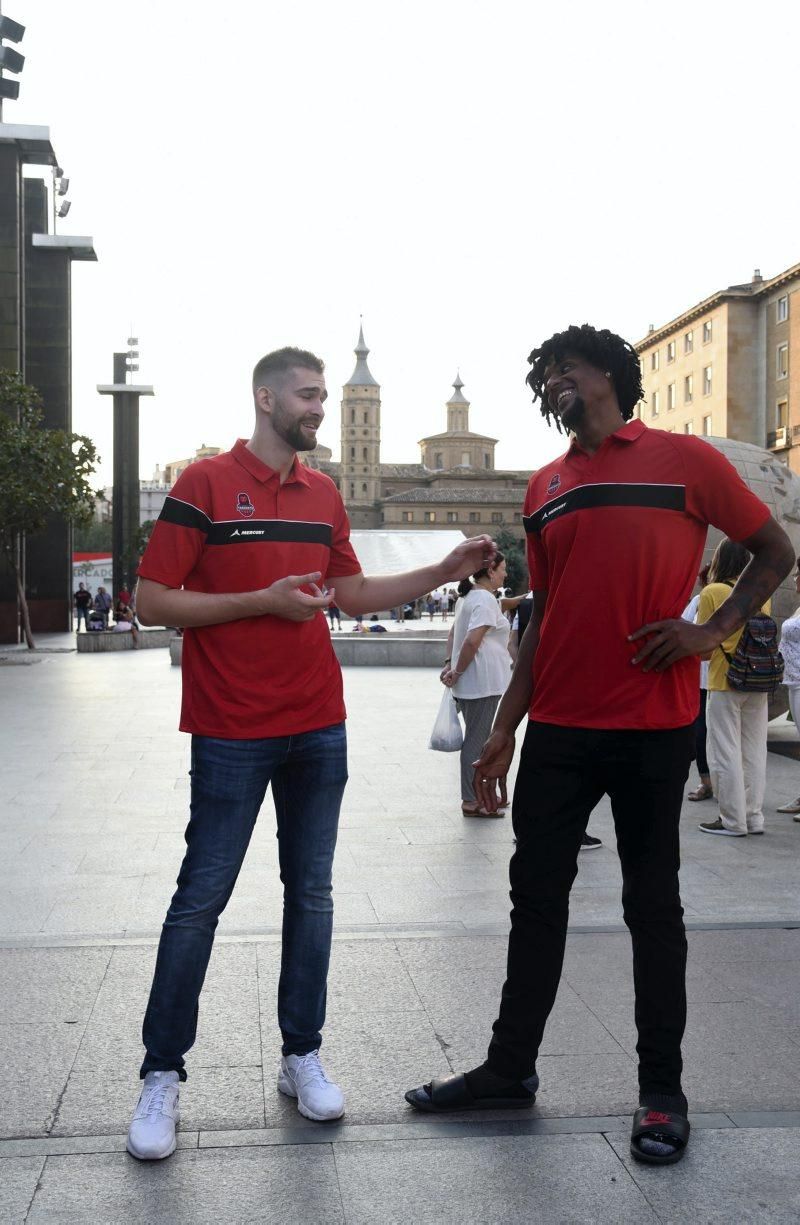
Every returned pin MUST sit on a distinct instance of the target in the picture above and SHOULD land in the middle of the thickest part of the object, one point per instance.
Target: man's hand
(491, 770)
(286, 599)
(467, 558)
(669, 641)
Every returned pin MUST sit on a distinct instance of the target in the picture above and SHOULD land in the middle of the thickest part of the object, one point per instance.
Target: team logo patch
(244, 505)
(555, 484)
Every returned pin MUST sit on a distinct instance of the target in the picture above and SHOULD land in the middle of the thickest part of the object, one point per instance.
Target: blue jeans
(308, 773)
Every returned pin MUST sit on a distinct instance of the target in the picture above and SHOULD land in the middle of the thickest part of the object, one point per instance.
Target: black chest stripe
(184, 514)
(273, 531)
(246, 531)
(590, 497)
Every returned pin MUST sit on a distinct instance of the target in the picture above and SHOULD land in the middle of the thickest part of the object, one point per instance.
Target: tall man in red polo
(608, 674)
(238, 557)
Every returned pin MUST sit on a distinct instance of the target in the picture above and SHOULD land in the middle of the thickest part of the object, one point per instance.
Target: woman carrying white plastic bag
(479, 668)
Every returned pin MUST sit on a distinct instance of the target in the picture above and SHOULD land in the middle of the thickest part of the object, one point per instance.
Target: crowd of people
(101, 612)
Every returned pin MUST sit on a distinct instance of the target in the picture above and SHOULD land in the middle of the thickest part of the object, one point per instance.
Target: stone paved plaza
(93, 802)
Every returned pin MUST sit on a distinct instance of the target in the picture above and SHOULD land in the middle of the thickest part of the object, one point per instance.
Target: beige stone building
(455, 484)
(730, 367)
(175, 467)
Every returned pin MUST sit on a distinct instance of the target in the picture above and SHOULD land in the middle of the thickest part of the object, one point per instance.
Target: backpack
(756, 665)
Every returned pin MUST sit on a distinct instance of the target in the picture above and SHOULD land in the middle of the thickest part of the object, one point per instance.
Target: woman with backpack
(736, 717)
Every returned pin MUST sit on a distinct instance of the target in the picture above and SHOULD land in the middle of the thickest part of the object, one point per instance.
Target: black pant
(700, 733)
(564, 772)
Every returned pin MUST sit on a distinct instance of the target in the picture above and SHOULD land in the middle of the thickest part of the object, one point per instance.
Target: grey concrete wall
(107, 640)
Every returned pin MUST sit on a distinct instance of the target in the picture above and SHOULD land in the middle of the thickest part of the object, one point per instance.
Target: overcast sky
(468, 176)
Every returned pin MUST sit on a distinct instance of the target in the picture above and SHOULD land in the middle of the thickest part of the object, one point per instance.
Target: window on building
(688, 342)
(474, 517)
(487, 460)
(518, 516)
(352, 416)
(688, 427)
(497, 516)
(708, 331)
(452, 516)
(707, 425)
(782, 414)
(688, 389)
(352, 490)
(438, 461)
(707, 374)
(407, 516)
(365, 453)
(782, 309)
(671, 352)
(465, 459)
(655, 403)
(429, 516)
(654, 360)
(352, 452)
(782, 364)
(366, 418)
(672, 396)
(363, 487)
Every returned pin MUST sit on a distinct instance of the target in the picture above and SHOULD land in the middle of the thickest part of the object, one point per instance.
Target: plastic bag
(447, 736)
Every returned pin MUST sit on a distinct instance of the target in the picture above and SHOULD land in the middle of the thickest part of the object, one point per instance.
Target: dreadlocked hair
(603, 349)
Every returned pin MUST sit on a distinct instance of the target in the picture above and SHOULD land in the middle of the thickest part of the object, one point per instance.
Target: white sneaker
(301, 1076)
(152, 1130)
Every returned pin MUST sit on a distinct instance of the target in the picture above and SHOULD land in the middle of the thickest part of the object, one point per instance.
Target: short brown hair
(281, 360)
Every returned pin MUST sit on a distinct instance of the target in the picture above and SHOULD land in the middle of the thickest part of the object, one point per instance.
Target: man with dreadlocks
(608, 673)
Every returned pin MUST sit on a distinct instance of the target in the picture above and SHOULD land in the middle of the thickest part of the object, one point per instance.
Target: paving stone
(374, 1057)
(18, 1179)
(487, 1181)
(268, 1186)
(36, 1060)
(744, 1176)
(213, 1098)
(365, 976)
(715, 1080)
(61, 985)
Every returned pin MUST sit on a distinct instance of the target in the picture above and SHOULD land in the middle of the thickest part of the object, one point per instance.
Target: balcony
(778, 439)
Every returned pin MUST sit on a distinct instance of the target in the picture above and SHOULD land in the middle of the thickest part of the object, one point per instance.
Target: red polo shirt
(228, 525)
(616, 539)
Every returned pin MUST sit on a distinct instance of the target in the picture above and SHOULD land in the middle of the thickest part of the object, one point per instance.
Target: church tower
(359, 479)
(458, 410)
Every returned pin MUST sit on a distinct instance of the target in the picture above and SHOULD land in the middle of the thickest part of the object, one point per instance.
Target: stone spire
(458, 396)
(361, 376)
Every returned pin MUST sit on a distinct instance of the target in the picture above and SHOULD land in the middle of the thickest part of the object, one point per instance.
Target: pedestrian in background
(790, 650)
(83, 602)
(704, 790)
(737, 719)
(102, 605)
(477, 669)
(335, 614)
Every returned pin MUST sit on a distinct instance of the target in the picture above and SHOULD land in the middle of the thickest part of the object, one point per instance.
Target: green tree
(43, 472)
(513, 550)
(143, 535)
(93, 537)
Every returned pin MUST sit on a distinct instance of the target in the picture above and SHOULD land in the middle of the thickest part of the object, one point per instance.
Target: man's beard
(572, 417)
(290, 431)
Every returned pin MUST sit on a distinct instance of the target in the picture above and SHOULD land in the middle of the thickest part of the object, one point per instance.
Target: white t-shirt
(690, 614)
(790, 649)
(490, 670)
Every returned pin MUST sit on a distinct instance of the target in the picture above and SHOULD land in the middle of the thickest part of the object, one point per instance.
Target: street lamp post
(125, 510)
